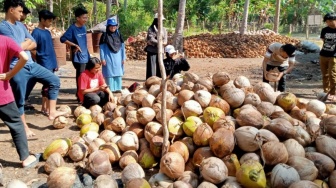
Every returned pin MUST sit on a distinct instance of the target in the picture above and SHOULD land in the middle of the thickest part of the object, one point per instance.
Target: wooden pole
(164, 81)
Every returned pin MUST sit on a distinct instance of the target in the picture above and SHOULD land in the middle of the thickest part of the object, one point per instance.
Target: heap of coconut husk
(223, 132)
(230, 45)
(55, 32)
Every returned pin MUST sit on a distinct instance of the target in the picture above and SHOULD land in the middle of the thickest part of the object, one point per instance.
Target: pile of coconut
(223, 132)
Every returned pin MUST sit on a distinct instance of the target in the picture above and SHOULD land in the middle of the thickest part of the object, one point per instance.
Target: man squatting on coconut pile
(282, 57)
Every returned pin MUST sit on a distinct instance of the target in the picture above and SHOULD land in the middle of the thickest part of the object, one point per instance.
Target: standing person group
(328, 55)
(75, 36)
(282, 57)
(112, 55)
(152, 65)
(14, 29)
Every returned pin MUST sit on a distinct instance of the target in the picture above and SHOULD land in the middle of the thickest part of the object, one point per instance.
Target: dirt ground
(303, 81)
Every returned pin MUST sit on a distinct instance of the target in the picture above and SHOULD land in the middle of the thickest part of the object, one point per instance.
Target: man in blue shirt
(14, 29)
(75, 36)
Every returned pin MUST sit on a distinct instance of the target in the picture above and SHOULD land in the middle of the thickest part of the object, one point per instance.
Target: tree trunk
(277, 16)
(108, 8)
(51, 5)
(178, 36)
(94, 12)
(125, 4)
(243, 26)
(164, 81)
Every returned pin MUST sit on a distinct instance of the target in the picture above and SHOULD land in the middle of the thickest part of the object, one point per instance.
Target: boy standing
(281, 57)
(328, 54)
(45, 53)
(14, 29)
(9, 112)
(75, 36)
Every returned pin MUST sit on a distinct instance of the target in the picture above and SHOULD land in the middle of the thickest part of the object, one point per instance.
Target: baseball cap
(170, 49)
(112, 22)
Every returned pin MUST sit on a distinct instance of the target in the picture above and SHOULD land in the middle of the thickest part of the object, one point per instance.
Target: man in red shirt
(9, 113)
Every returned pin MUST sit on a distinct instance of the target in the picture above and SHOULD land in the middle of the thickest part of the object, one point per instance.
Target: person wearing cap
(75, 37)
(44, 53)
(112, 55)
(152, 65)
(174, 62)
(282, 57)
(328, 54)
(14, 29)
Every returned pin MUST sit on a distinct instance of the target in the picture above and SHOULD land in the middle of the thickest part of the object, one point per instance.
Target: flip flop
(34, 163)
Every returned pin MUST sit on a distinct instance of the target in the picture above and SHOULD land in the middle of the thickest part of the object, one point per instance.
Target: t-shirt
(18, 33)
(273, 54)
(329, 45)
(8, 50)
(88, 80)
(77, 35)
(175, 66)
(45, 52)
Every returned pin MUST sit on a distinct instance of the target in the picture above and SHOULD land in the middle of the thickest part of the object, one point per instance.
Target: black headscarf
(112, 39)
(155, 23)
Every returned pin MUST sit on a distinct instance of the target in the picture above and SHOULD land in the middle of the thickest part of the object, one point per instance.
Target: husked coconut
(169, 114)
(213, 170)
(252, 98)
(109, 106)
(203, 98)
(326, 145)
(64, 176)
(250, 117)
(323, 163)
(153, 80)
(152, 129)
(222, 142)
(249, 156)
(145, 115)
(78, 151)
(128, 141)
(99, 163)
(154, 90)
(159, 180)
(190, 77)
(202, 135)
(112, 150)
(304, 167)
(103, 181)
(181, 148)
(265, 92)
(317, 107)
(270, 152)
(131, 118)
(60, 122)
(148, 100)
(232, 164)
(138, 96)
(220, 78)
(120, 111)
(235, 97)
(54, 161)
(138, 182)
(283, 176)
(127, 158)
(79, 110)
(172, 164)
(189, 177)
(294, 148)
(218, 102)
(107, 135)
(138, 129)
(65, 108)
(184, 96)
(99, 119)
(172, 103)
(245, 138)
(200, 154)
(241, 82)
(305, 184)
(95, 110)
(132, 171)
(191, 108)
(159, 97)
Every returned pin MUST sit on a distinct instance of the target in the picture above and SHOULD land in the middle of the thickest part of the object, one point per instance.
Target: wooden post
(164, 81)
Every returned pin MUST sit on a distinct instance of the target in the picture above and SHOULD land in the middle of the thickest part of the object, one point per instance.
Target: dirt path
(305, 78)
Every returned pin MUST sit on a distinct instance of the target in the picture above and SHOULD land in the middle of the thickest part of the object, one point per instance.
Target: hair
(92, 63)
(13, 3)
(80, 11)
(26, 10)
(329, 16)
(289, 49)
(46, 14)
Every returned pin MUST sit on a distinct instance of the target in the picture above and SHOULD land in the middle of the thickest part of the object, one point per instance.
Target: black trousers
(10, 115)
(80, 67)
(152, 65)
(100, 98)
(282, 81)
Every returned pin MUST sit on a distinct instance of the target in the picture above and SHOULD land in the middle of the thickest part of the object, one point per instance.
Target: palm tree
(243, 27)
(178, 36)
(277, 17)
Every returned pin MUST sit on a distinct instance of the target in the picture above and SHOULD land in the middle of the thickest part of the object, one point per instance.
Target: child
(282, 57)
(174, 63)
(9, 113)
(14, 29)
(328, 54)
(45, 53)
(75, 36)
(92, 87)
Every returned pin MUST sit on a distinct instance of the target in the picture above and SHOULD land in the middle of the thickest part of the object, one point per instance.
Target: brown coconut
(305, 184)
(232, 164)
(323, 163)
(220, 78)
(64, 176)
(99, 163)
(138, 129)
(201, 154)
(188, 141)
(270, 152)
(127, 158)
(224, 122)
(202, 135)
(304, 167)
(172, 164)
(138, 96)
(189, 177)
(213, 170)
(282, 128)
(181, 148)
(153, 80)
(266, 108)
(128, 141)
(252, 98)
(132, 171)
(152, 129)
(294, 148)
(54, 161)
(235, 97)
(145, 115)
(184, 96)
(156, 146)
(245, 138)
(265, 92)
(103, 181)
(78, 151)
(329, 125)
(326, 145)
(332, 179)
(250, 117)
(112, 150)
(218, 102)
(222, 142)
(60, 122)
(154, 90)
(120, 111)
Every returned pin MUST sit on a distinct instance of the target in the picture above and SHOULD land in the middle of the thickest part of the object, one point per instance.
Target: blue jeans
(24, 81)
(10, 115)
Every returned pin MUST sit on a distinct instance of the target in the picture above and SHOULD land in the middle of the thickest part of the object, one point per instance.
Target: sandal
(34, 163)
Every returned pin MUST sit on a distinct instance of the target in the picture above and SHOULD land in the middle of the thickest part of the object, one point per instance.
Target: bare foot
(56, 114)
(29, 133)
(29, 161)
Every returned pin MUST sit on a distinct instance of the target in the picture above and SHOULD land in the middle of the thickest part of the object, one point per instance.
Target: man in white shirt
(282, 57)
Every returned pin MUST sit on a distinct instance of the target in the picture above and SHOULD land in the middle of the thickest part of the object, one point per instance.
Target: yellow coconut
(89, 127)
(83, 119)
(60, 146)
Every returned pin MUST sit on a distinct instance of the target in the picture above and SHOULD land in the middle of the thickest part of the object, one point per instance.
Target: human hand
(56, 69)
(111, 98)
(3, 76)
(103, 62)
(77, 48)
(103, 87)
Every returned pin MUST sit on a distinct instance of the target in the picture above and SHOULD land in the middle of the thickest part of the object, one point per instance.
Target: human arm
(102, 54)
(123, 53)
(67, 38)
(23, 58)
(151, 37)
(165, 38)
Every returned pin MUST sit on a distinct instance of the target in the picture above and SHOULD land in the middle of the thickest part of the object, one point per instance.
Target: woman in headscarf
(112, 55)
(152, 66)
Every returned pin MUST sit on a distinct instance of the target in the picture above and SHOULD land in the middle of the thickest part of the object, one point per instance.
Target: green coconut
(212, 114)
(191, 124)
(83, 119)
(175, 127)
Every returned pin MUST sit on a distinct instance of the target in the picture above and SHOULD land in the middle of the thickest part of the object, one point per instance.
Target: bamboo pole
(164, 80)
